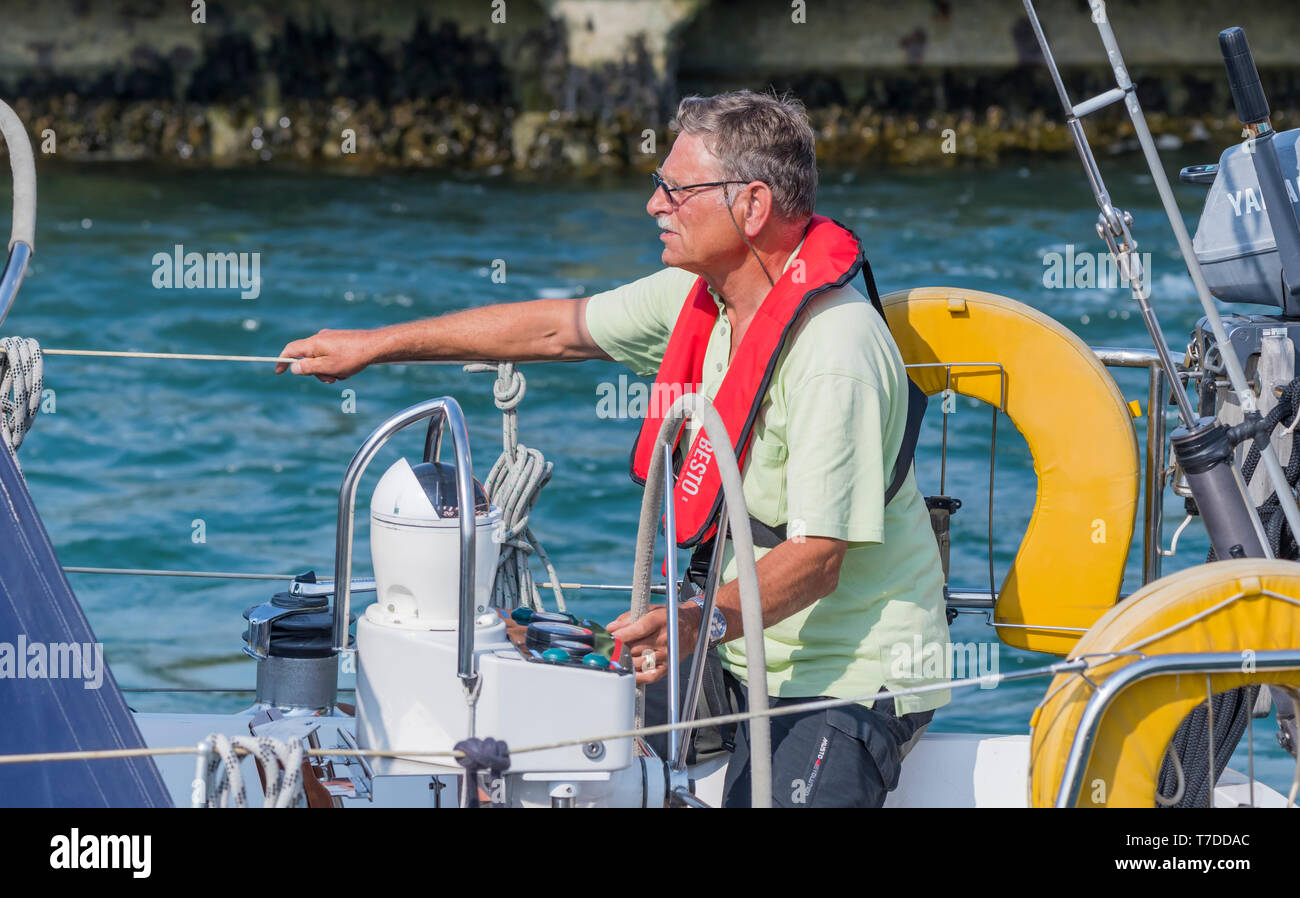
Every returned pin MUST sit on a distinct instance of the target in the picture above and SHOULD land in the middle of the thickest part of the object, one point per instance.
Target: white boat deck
(943, 770)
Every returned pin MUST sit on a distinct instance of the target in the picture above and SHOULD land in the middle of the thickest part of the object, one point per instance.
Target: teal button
(555, 656)
(522, 615)
(595, 659)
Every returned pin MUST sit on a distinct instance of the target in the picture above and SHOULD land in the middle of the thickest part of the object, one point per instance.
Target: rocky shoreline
(455, 135)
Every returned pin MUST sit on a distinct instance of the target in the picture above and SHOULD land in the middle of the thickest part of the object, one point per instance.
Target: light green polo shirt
(821, 457)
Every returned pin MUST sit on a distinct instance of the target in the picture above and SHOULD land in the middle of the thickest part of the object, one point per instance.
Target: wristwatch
(717, 626)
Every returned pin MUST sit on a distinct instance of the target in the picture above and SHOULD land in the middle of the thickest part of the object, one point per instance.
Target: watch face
(718, 626)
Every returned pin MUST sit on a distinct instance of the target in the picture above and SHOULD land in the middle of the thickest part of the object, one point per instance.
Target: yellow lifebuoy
(1246, 605)
(1070, 565)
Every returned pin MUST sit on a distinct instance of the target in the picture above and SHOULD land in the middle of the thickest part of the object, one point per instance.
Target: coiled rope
(281, 764)
(514, 483)
(22, 374)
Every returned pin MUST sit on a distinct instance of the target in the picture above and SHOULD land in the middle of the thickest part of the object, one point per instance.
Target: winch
(291, 637)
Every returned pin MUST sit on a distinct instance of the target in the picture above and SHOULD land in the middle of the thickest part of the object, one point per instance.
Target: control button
(577, 650)
(595, 659)
(525, 615)
(543, 634)
(555, 656)
(552, 617)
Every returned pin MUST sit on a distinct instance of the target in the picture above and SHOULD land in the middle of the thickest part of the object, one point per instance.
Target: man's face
(695, 230)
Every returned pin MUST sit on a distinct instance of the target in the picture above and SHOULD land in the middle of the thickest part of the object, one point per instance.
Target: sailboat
(463, 700)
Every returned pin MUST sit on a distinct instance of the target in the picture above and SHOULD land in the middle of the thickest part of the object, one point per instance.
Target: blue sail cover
(47, 661)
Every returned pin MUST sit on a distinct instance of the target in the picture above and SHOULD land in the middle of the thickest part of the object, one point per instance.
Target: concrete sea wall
(584, 85)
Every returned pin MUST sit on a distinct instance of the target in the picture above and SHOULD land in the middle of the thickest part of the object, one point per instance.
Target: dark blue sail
(55, 692)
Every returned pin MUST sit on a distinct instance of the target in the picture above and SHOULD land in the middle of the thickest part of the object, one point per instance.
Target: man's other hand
(645, 642)
(330, 355)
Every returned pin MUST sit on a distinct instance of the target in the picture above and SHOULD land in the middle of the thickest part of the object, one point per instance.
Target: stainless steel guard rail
(1182, 663)
(445, 410)
(1153, 477)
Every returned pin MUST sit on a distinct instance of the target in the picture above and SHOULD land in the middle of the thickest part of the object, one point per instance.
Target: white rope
(281, 765)
(22, 374)
(184, 356)
(514, 484)
(211, 357)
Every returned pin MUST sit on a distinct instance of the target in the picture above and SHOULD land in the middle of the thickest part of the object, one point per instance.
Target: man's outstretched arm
(552, 330)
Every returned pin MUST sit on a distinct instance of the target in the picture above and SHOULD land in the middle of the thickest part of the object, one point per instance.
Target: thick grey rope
(1172, 800)
(283, 787)
(696, 406)
(22, 374)
(514, 484)
(1232, 710)
(23, 164)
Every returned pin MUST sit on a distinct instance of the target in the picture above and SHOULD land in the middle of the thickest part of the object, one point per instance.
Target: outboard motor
(1248, 245)
(1235, 240)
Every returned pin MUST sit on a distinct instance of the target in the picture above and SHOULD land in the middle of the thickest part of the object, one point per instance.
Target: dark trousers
(844, 757)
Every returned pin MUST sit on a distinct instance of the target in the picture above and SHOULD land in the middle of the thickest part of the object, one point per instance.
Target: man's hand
(645, 642)
(330, 355)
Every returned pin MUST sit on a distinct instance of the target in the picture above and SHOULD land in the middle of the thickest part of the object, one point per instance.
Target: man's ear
(757, 207)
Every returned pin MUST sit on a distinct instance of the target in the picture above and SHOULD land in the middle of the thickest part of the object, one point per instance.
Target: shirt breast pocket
(764, 479)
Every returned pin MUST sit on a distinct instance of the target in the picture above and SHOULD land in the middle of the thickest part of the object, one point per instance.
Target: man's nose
(658, 204)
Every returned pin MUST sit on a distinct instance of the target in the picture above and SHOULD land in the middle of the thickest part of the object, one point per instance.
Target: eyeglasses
(660, 184)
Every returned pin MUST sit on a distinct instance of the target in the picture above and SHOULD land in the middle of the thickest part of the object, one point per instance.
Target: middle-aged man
(756, 308)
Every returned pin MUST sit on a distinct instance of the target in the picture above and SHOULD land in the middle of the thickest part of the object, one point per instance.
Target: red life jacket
(831, 257)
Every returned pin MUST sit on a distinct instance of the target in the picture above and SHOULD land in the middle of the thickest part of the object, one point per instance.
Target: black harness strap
(916, 403)
(767, 536)
(872, 293)
(916, 400)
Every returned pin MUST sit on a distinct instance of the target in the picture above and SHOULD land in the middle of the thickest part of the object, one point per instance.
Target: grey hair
(759, 137)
